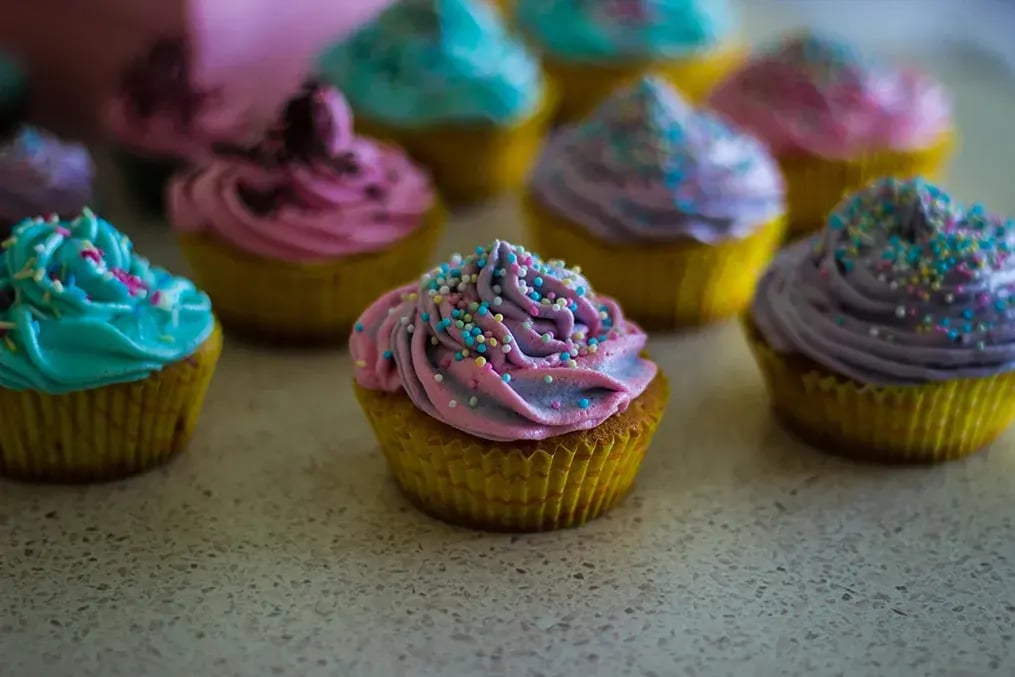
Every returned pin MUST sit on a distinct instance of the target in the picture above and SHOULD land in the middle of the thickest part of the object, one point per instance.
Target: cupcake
(295, 236)
(161, 121)
(39, 174)
(592, 48)
(836, 119)
(505, 393)
(446, 80)
(648, 184)
(890, 336)
(104, 359)
(13, 94)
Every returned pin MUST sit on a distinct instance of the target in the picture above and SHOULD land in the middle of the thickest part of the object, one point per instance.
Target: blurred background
(76, 48)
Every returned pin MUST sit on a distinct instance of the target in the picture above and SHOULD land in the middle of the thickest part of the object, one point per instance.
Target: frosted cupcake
(835, 119)
(648, 184)
(445, 80)
(39, 174)
(892, 335)
(505, 393)
(104, 359)
(592, 48)
(161, 120)
(294, 237)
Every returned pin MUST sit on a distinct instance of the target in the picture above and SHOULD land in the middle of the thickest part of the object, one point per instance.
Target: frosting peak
(906, 285)
(308, 191)
(79, 309)
(646, 166)
(503, 346)
(818, 95)
(626, 29)
(428, 62)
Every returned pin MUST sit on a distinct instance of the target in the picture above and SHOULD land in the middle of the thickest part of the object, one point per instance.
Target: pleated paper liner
(109, 432)
(926, 423)
(304, 302)
(555, 483)
(471, 162)
(660, 285)
(583, 85)
(814, 185)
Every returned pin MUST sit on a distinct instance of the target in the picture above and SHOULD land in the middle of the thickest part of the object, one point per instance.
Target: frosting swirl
(818, 96)
(310, 191)
(428, 62)
(40, 174)
(503, 346)
(905, 286)
(160, 110)
(618, 30)
(79, 309)
(647, 167)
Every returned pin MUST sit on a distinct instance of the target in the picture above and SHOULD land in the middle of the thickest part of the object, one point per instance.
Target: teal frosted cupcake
(13, 93)
(447, 81)
(593, 48)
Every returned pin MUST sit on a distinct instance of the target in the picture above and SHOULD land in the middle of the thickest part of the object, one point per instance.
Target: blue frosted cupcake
(447, 81)
(592, 48)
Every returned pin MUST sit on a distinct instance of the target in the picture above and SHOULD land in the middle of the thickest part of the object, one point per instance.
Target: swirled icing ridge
(503, 346)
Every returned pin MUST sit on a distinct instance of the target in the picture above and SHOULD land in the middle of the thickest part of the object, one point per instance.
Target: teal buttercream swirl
(618, 30)
(428, 62)
(79, 309)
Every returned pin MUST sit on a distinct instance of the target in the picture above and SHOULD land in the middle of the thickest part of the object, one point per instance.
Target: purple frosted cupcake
(40, 174)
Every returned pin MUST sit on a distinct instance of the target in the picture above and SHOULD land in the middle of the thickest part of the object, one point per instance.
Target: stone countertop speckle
(278, 544)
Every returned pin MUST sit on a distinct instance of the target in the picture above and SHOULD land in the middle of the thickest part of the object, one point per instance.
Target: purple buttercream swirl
(905, 286)
(646, 167)
(39, 174)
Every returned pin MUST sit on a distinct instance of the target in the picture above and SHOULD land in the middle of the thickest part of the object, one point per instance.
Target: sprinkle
(506, 348)
(438, 377)
(583, 403)
(410, 328)
(473, 401)
(497, 300)
(10, 344)
(555, 404)
(506, 378)
(388, 354)
(547, 379)
(453, 404)
(538, 282)
(480, 361)
(545, 338)
(481, 348)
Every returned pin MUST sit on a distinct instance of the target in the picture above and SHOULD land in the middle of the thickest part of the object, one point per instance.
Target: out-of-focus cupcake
(448, 82)
(836, 118)
(670, 211)
(891, 336)
(593, 48)
(505, 393)
(293, 238)
(104, 359)
(40, 174)
(13, 94)
(162, 120)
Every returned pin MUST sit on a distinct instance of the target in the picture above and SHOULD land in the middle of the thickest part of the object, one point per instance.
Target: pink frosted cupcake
(161, 120)
(293, 237)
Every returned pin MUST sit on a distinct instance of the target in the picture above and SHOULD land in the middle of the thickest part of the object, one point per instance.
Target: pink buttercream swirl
(815, 96)
(160, 111)
(503, 346)
(310, 191)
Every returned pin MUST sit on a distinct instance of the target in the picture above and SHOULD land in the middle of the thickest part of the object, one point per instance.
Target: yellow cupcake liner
(583, 85)
(555, 483)
(926, 423)
(661, 285)
(109, 432)
(470, 163)
(304, 302)
(814, 185)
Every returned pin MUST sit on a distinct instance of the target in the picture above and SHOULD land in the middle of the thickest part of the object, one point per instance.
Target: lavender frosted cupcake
(40, 174)
(891, 336)
(649, 184)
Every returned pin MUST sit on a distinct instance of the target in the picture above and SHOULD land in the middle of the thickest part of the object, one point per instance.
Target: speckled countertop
(278, 545)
